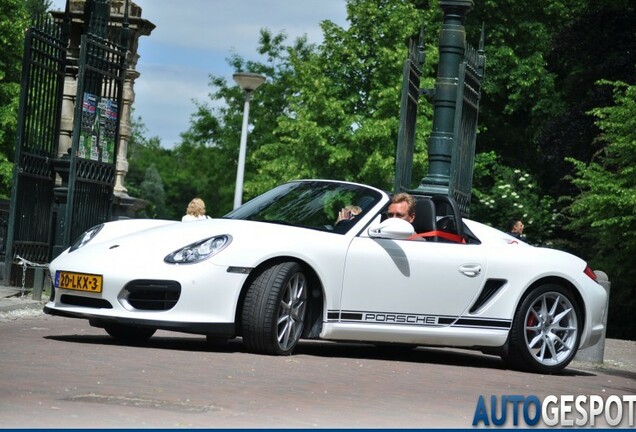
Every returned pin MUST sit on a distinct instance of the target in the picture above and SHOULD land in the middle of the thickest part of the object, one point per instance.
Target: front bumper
(200, 299)
(212, 329)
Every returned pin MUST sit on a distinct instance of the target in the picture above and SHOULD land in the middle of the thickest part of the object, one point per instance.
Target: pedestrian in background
(515, 228)
(195, 211)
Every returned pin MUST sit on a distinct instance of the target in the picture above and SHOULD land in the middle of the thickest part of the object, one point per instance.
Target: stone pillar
(68, 106)
(125, 131)
(596, 353)
(138, 27)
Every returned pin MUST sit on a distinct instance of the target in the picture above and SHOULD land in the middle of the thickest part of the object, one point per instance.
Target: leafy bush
(501, 192)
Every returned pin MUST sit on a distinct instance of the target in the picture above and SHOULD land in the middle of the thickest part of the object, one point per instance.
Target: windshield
(309, 204)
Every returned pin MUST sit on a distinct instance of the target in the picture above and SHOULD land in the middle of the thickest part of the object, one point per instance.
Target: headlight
(199, 251)
(86, 237)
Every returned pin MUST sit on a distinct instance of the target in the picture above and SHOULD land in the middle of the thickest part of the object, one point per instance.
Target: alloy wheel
(551, 328)
(291, 313)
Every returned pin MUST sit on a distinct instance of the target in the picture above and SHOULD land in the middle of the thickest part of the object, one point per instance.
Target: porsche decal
(416, 319)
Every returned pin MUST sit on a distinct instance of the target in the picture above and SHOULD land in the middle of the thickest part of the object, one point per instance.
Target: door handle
(470, 270)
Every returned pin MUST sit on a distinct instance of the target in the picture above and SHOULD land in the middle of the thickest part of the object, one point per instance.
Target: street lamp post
(248, 82)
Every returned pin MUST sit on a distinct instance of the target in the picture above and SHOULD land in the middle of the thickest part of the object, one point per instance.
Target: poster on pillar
(87, 135)
(98, 128)
(108, 129)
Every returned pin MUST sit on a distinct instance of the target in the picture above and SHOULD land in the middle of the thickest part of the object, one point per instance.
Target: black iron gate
(46, 216)
(409, 102)
(470, 77)
(92, 165)
(42, 86)
(88, 173)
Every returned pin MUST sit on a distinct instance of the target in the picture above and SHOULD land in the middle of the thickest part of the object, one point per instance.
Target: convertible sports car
(280, 268)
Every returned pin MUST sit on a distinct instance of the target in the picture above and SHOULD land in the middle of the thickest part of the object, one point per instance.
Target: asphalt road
(61, 373)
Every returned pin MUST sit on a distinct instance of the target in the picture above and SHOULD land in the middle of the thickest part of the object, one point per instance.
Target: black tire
(129, 333)
(274, 309)
(545, 331)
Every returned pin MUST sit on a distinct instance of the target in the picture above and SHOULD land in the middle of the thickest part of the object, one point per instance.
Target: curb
(15, 298)
(16, 303)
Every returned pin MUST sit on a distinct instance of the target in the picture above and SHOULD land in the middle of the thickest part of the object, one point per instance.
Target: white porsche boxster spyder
(280, 269)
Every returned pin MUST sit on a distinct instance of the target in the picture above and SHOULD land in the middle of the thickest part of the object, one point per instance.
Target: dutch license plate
(78, 281)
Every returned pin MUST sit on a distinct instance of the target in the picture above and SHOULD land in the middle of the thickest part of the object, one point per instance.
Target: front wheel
(273, 313)
(545, 331)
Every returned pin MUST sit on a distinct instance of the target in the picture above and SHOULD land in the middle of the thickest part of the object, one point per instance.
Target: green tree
(598, 43)
(151, 190)
(215, 132)
(520, 92)
(37, 8)
(148, 165)
(15, 17)
(169, 178)
(342, 118)
(604, 211)
(13, 22)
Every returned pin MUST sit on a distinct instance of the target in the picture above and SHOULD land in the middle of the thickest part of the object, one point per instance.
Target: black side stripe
(480, 322)
(453, 321)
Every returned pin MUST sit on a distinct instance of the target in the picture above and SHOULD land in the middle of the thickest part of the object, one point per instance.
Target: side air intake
(491, 287)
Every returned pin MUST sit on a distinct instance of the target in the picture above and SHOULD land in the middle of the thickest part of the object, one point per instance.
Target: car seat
(424, 216)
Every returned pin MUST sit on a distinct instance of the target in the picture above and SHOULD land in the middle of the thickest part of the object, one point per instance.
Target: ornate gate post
(456, 97)
(452, 43)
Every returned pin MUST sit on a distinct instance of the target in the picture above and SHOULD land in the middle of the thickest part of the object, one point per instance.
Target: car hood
(152, 241)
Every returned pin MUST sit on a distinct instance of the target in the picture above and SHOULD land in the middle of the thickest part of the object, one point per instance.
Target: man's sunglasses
(397, 215)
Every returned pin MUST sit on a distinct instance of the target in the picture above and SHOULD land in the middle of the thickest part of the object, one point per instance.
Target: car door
(407, 280)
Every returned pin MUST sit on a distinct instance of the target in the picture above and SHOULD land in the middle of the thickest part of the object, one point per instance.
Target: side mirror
(392, 228)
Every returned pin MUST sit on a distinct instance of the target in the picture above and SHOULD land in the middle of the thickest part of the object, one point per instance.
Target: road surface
(62, 373)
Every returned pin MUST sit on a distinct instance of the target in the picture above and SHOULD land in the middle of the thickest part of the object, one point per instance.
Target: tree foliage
(597, 44)
(37, 8)
(501, 193)
(151, 190)
(15, 18)
(342, 121)
(13, 21)
(149, 164)
(604, 211)
(520, 92)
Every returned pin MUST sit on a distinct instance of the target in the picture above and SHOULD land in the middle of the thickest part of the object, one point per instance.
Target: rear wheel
(545, 331)
(274, 309)
(129, 333)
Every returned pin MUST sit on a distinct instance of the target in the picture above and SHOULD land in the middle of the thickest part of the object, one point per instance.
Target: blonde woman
(195, 211)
